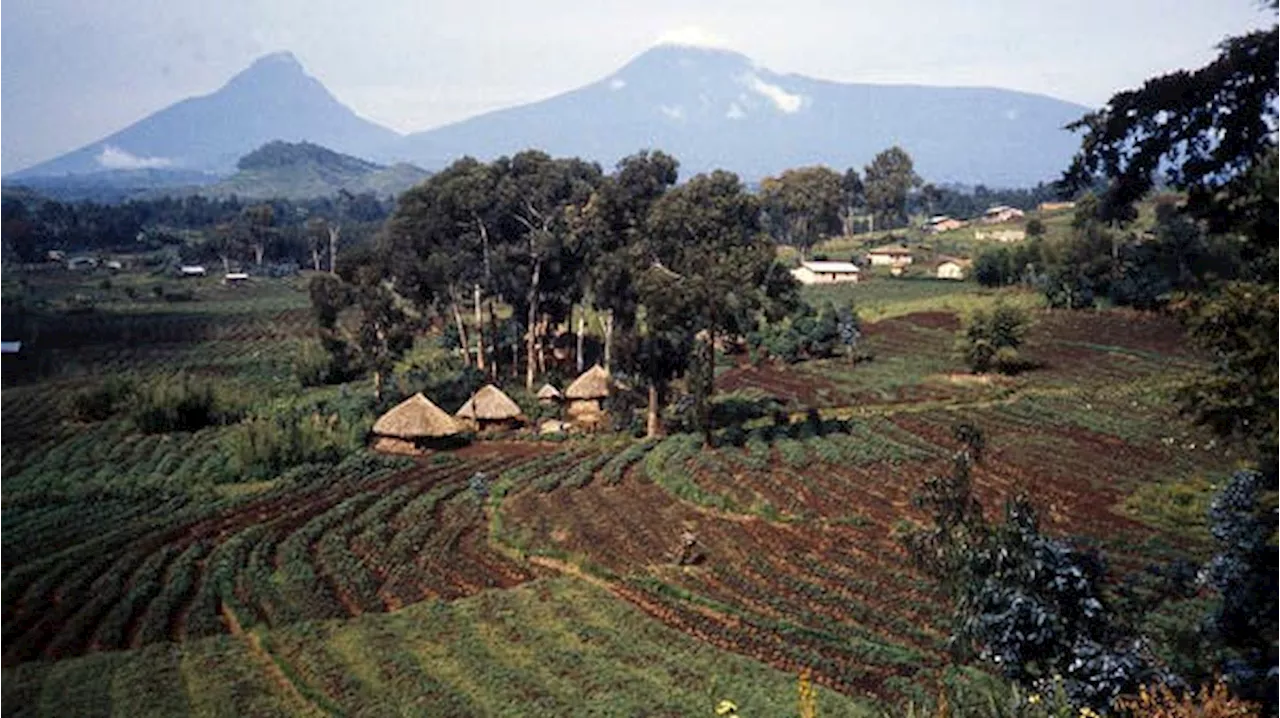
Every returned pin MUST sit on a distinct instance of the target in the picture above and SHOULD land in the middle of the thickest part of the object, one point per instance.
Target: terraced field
(538, 573)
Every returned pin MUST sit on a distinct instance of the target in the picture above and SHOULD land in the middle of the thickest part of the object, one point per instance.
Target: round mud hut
(549, 395)
(585, 394)
(416, 424)
(490, 409)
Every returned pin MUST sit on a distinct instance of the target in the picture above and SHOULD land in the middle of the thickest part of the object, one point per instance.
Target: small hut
(490, 409)
(549, 395)
(415, 424)
(586, 392)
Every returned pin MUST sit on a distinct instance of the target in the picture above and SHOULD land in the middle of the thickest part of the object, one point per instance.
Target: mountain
(273, 99)
(716, 108)
(304, 170)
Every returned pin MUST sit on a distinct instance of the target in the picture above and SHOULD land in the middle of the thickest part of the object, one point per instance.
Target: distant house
(192, 270)
(826, 272)
(12, 347)
(549, 395)
(56, 255)
(413, 425)
(942, 223)
(889, 257)
(113, 264)
(1001, 235)
(79, 263)
(1047, 207)
(586, 395)
(489, 409)
(235, 278)
(951, 268)
(1001, 213)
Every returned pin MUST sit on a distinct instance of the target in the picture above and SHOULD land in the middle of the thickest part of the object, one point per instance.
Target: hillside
(304, 170)
(715, 108)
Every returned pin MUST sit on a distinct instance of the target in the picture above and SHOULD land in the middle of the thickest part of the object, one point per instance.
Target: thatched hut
(490, 409)
(415, 424)
(587, 391)
(549, 395)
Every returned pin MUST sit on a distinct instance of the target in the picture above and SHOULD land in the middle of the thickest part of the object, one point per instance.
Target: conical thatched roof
(489, 404)
(549, 392)
(593, 384)
(416, 418)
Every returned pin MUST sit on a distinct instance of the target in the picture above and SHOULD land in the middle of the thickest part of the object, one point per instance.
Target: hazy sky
(72, 71)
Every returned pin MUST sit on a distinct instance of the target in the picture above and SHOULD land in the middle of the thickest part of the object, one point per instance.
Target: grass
(551, 647)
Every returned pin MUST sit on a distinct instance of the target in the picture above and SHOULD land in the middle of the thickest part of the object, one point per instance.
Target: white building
(192, 270)
(889, 257)
(1001, 213)
(952, 268)
(826, 272)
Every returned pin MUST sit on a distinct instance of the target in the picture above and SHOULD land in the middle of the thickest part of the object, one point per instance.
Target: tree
(853, 200)
(1211, 133)
(382, 330)
(890, 179)
(801, 205)
(259, 222)
(613, 233)
(706, 234)
(991, 340)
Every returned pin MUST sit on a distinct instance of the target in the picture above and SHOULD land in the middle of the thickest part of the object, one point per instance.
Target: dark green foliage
(889, 180)
(265, 445)
(103, 400)
(809, 334)
(182, 403)
(1239, 396)
(990, 340)
(1244, 574)
(1028, 604)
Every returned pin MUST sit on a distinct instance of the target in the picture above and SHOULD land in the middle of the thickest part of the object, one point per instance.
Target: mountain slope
(274, 99)
(305, 170)
(714, 108)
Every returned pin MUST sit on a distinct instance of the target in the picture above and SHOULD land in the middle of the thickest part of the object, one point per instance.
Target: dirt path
(306, 706)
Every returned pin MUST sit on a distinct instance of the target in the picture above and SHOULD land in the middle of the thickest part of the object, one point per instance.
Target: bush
(265, 446)
(180, 403)
(991, 340)
(103, 400)
(316, 365)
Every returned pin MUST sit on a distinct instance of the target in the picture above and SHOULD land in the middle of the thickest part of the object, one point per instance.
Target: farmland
(142, 572)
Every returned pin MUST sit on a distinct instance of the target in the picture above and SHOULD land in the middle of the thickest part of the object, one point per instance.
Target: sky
(74, 71)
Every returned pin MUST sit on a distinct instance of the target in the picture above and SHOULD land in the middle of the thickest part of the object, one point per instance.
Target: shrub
(265, 446)
(316, 365)
(991, 340)
(103, 400)
(181, 403)
(1211, 701)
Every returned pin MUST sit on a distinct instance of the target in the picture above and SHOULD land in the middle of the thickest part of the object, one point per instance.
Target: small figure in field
(688, 554)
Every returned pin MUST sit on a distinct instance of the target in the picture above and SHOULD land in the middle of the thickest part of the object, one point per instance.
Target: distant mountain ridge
(717, 108)
(709, 108)
(272, 99)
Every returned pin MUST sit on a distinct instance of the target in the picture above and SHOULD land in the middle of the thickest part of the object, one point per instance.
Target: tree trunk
(544, 328)
(315, 258)
(479, 332)
(334, 231)
(377, 385)
(493, 335)
(530, 345)
(226, 264)
(606, 323)
(710, 369)
(258, 251)
(462, 329)
(653, 422)
(582, 328)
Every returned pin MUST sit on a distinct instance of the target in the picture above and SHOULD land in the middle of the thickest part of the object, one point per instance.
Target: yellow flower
(726, 708)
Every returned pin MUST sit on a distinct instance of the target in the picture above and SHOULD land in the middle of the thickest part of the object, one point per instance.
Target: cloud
(735, 112)
(784, 100)
(693, 36)
(675, 113)
(617, 83)
(114, 158)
